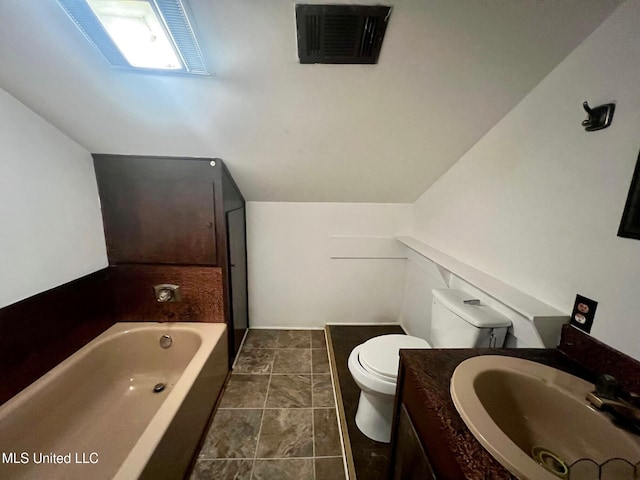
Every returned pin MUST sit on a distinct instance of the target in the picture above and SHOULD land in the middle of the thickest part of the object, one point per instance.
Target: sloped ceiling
(448, 71)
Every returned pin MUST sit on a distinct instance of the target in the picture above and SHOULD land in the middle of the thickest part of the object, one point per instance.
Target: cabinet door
(157, 210)
(411, 462)
(238, 273)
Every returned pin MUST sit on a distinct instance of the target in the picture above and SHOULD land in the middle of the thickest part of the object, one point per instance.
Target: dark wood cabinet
(417, 449)
(158, 210)
(236, 233)
(180, 221)
(411, 461)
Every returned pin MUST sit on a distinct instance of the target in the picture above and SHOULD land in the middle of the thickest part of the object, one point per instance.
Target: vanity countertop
(450, 445)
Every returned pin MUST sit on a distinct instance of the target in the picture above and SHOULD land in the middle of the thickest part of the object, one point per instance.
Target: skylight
(139, 34)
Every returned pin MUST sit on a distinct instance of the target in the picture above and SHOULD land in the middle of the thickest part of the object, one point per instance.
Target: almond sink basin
(535, 421)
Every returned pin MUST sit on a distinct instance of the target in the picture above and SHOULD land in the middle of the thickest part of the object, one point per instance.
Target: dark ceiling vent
(340, 33)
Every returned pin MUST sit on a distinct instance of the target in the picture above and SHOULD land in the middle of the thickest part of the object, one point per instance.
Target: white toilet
(457, 321)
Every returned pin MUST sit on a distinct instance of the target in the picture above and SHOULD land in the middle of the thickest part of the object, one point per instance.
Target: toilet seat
(374, 367)
(380, 356)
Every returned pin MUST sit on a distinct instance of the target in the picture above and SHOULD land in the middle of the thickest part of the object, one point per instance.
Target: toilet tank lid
(480, 316)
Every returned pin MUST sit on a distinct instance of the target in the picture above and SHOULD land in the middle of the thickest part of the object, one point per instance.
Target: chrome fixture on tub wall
(167, 292)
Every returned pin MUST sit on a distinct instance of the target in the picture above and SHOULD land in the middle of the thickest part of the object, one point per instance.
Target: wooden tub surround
(41, 331)
(180, 221)
(167, 220)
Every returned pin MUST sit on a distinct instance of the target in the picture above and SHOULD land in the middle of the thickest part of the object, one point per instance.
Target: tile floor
(370, 459)
(277, 416)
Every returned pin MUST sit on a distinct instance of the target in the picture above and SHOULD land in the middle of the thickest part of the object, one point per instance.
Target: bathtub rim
(134, 463)
(140, 454)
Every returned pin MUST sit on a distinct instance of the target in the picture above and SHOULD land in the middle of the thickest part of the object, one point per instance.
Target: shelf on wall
(524, 304)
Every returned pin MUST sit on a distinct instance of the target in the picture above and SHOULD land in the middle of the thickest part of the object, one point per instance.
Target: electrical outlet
(584, 311)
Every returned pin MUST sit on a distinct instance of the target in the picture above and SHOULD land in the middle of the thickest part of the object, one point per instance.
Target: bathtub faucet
(167, 292)
(164, 295)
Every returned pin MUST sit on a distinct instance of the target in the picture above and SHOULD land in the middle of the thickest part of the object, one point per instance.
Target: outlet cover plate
(584, 311)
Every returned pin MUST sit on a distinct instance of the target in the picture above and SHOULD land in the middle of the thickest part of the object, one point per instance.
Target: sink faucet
(607, 399)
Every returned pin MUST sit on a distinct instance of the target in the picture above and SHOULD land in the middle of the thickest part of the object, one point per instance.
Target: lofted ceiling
(448, 71)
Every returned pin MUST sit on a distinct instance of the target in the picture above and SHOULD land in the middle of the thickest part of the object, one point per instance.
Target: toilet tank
(456, 324)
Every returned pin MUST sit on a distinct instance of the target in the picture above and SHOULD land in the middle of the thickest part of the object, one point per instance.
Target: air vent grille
(340, 33)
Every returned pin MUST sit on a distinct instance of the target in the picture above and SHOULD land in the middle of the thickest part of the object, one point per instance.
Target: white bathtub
(96, 416)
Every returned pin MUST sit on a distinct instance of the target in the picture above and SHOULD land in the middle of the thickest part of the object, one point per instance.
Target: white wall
(420, 279)
(293, 282)
(537, 202)
(50, 221)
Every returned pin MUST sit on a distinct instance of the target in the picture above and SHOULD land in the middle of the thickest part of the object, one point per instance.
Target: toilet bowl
(458, 320)
(374, 367)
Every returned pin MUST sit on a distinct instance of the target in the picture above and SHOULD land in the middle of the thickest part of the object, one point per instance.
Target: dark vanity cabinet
(419, 450)
(430, 440)
(180, 221)
(409, 460)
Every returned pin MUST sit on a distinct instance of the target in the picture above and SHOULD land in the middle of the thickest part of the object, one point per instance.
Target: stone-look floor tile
(261, 339)
(254, 361)
(285, 433)
(320, 360)
(329, 468)
(292, 361)
(294, 339)
(222, 470)
(233, 434)
(289, 391)
(317, 339)
(245, 391)
(290, 469)
(322, 391)
(326, 436)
